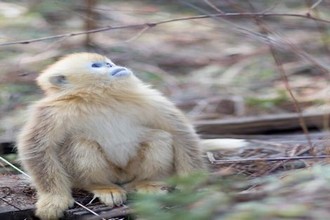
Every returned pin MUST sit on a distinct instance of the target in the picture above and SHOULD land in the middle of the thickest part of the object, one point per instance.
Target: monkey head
(84, 71)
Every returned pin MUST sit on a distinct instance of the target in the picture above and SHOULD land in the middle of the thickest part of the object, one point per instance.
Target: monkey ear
(58, 80)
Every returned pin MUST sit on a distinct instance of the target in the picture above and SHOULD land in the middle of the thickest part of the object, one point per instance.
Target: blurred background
(212, 68)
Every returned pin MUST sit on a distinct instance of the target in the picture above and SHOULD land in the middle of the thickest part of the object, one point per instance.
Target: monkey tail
(222, 144)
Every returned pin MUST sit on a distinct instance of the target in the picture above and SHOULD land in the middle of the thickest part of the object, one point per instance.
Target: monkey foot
(111, 195)
(149, 187)
(52, 206)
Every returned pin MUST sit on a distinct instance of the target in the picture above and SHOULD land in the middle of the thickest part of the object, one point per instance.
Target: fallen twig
(269, 159)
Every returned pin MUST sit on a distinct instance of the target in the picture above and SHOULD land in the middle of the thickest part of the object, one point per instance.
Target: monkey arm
(186, 143)
(38, 147)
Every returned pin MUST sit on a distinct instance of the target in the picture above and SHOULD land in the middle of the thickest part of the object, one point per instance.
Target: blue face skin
(113, 70)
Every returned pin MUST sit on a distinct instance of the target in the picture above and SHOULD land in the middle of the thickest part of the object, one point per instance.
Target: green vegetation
(278, 99)
(287, 196)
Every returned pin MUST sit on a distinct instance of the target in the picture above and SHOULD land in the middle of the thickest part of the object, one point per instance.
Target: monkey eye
(108, 64)
(97, 65)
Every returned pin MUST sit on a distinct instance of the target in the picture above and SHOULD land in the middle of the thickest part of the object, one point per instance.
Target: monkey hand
(52, 206)
(110, 195)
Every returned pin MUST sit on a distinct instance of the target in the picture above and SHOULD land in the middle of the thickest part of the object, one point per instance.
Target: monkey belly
(87, 163)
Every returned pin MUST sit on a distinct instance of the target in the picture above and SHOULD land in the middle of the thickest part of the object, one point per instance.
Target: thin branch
(114, 214)
(279, 42)
(6, 194)
(136, 36)
(274, 5)
(263, 28)
(316, 4)
(274, 167)
(269, 159)
(89, 210)
(209, 3)
(288, 88)
(322, 28)
(71, 34)
(10, 204)
(153, 24)
(14, 167)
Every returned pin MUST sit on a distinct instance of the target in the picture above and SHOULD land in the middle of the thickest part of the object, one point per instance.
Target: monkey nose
(119, 71)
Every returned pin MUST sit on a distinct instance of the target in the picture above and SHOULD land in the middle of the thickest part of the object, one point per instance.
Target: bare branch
(136, 36)
(71, 34)
(214, 7)
(265, 29)
(278, 41)
(316, 4)
(270, 159)
(153, 24)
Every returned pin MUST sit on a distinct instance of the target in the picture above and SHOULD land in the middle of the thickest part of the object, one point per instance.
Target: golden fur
(106, 135)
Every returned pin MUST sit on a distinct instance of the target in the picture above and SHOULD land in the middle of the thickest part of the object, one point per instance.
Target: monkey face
(83, 71)
(109, 69)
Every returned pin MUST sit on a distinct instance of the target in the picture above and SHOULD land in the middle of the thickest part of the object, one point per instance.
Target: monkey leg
(111, 195)
(154, 163)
